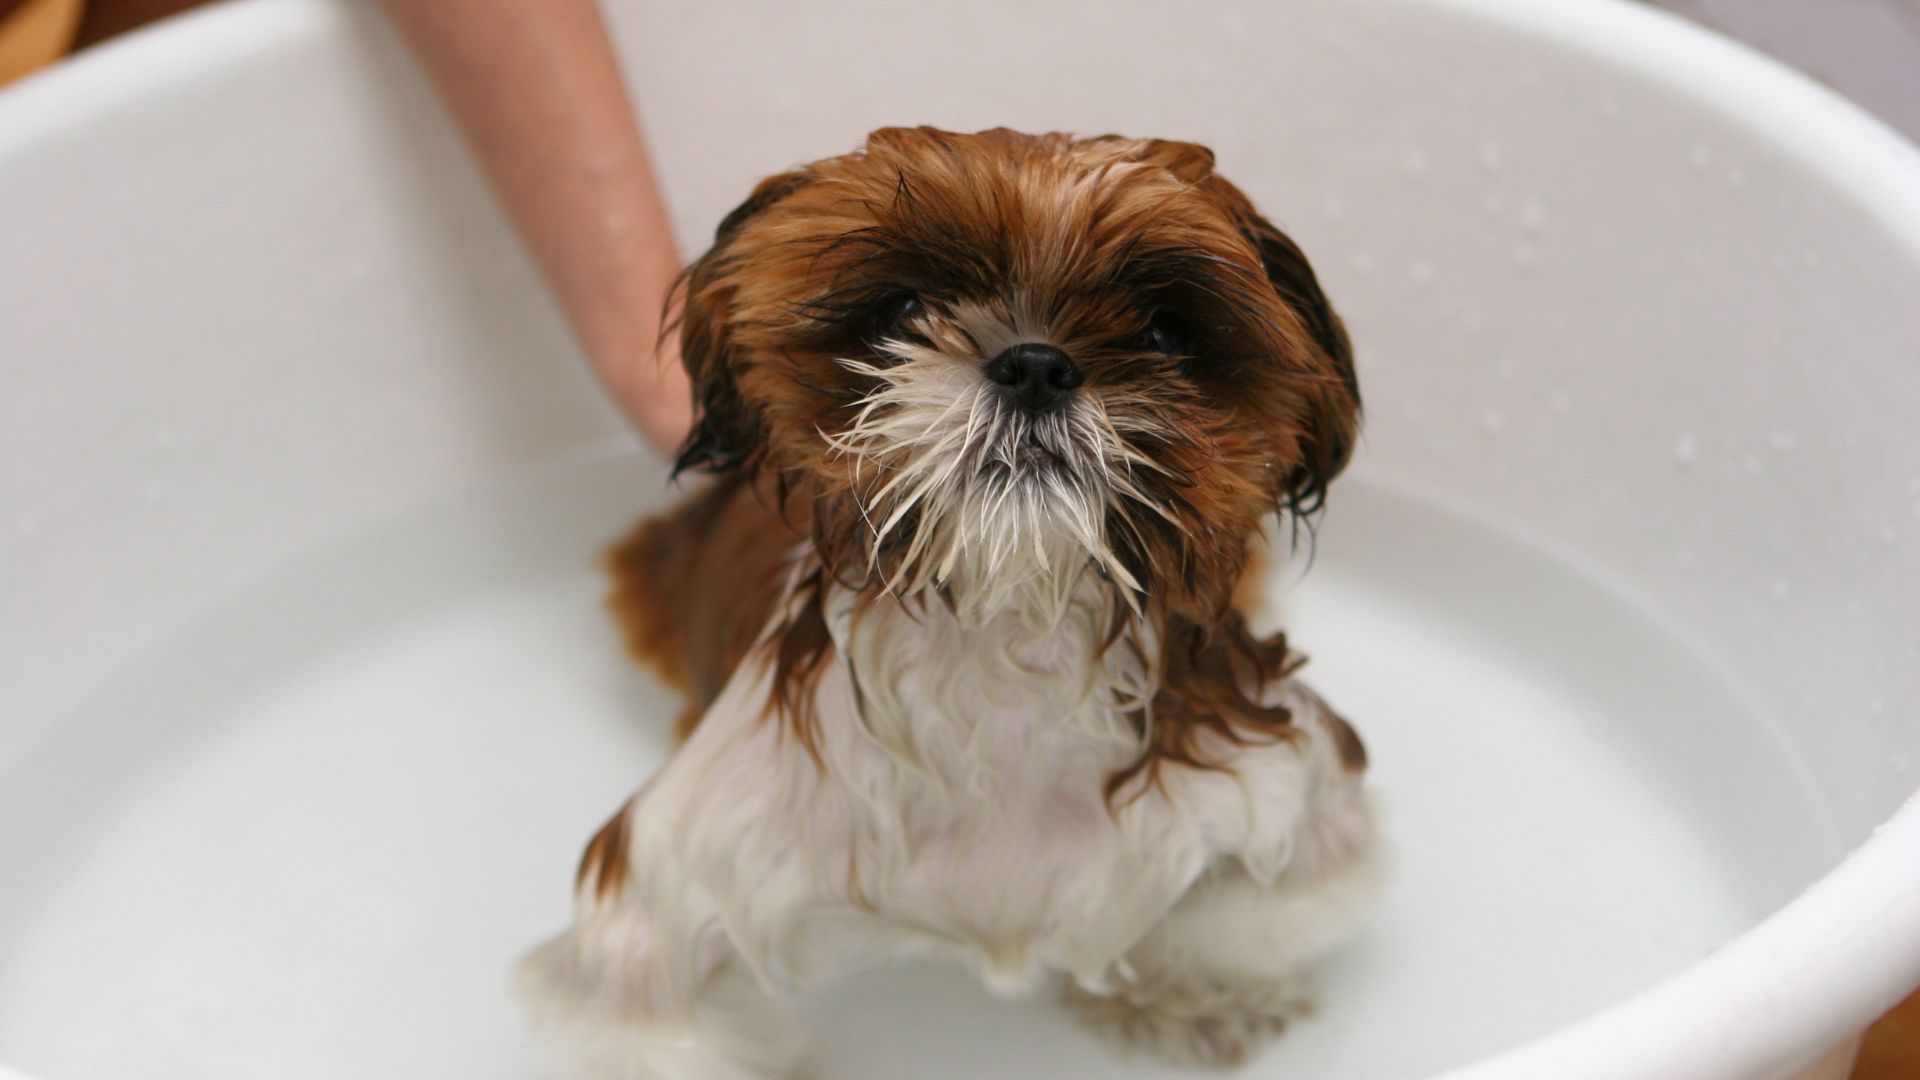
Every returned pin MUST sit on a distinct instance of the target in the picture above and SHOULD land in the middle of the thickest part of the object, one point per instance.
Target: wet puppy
(996, 418)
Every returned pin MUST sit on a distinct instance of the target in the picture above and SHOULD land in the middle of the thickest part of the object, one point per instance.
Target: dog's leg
(1229, 966)
(598, 1002)
(683, 899)
(650, 983)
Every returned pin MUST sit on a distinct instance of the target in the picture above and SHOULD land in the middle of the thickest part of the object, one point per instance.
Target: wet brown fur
(694, 587)
(605, 862)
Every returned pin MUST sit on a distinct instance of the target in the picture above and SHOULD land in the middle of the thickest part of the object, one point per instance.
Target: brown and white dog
(997, 418)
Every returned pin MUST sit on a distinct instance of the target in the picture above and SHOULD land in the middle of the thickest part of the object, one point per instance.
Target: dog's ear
(726, 432)
(1332, 391)
(1331, 388)
(1333, 410)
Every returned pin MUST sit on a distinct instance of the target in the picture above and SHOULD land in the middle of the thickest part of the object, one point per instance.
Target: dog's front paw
(1218, 1025)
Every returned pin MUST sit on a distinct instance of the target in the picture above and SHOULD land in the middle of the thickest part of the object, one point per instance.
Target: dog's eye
(892, 318)
(1163, 335)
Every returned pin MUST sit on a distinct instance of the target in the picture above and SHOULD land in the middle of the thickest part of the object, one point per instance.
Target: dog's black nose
(1037, 374)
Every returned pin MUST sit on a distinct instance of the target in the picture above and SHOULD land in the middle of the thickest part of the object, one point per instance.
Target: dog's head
(993, 362)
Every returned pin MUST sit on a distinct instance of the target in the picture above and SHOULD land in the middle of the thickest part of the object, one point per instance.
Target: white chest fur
(980, 755)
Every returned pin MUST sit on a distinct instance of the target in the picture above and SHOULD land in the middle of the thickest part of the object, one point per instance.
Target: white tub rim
(1849, 945)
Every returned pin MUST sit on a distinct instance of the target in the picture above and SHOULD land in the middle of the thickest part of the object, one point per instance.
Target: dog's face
(990, 362)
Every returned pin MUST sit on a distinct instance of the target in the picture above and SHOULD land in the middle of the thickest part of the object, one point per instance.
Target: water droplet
(1701, 155)
(1782, 439)
(1495, 421)
(1685, 450)
(1889, 535)
(1420, 272)
(1416, 163)
(1560, 401)
(1533, 213)
(1780, 590)
(1752, 465)
(1361, 262)
(1491, 157)
(1877, 706)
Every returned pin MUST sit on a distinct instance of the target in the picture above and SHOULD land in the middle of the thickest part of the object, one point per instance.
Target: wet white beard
(1001, 534)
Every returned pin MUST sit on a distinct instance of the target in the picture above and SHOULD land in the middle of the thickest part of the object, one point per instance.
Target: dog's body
(927, 719)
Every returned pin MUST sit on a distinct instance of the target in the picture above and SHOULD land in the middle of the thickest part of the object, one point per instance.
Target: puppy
(996, 418)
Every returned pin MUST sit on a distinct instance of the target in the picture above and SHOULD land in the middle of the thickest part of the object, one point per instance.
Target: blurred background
(1869, 50)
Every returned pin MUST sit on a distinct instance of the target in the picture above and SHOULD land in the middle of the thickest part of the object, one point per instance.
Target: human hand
(536, 91)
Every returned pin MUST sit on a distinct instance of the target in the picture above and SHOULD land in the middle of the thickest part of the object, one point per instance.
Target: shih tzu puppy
(996, 419)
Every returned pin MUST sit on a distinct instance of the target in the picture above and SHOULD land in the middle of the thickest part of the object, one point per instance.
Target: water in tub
(307, 836)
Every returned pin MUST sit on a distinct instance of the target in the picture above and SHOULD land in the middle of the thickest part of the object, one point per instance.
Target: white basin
(306, 702)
